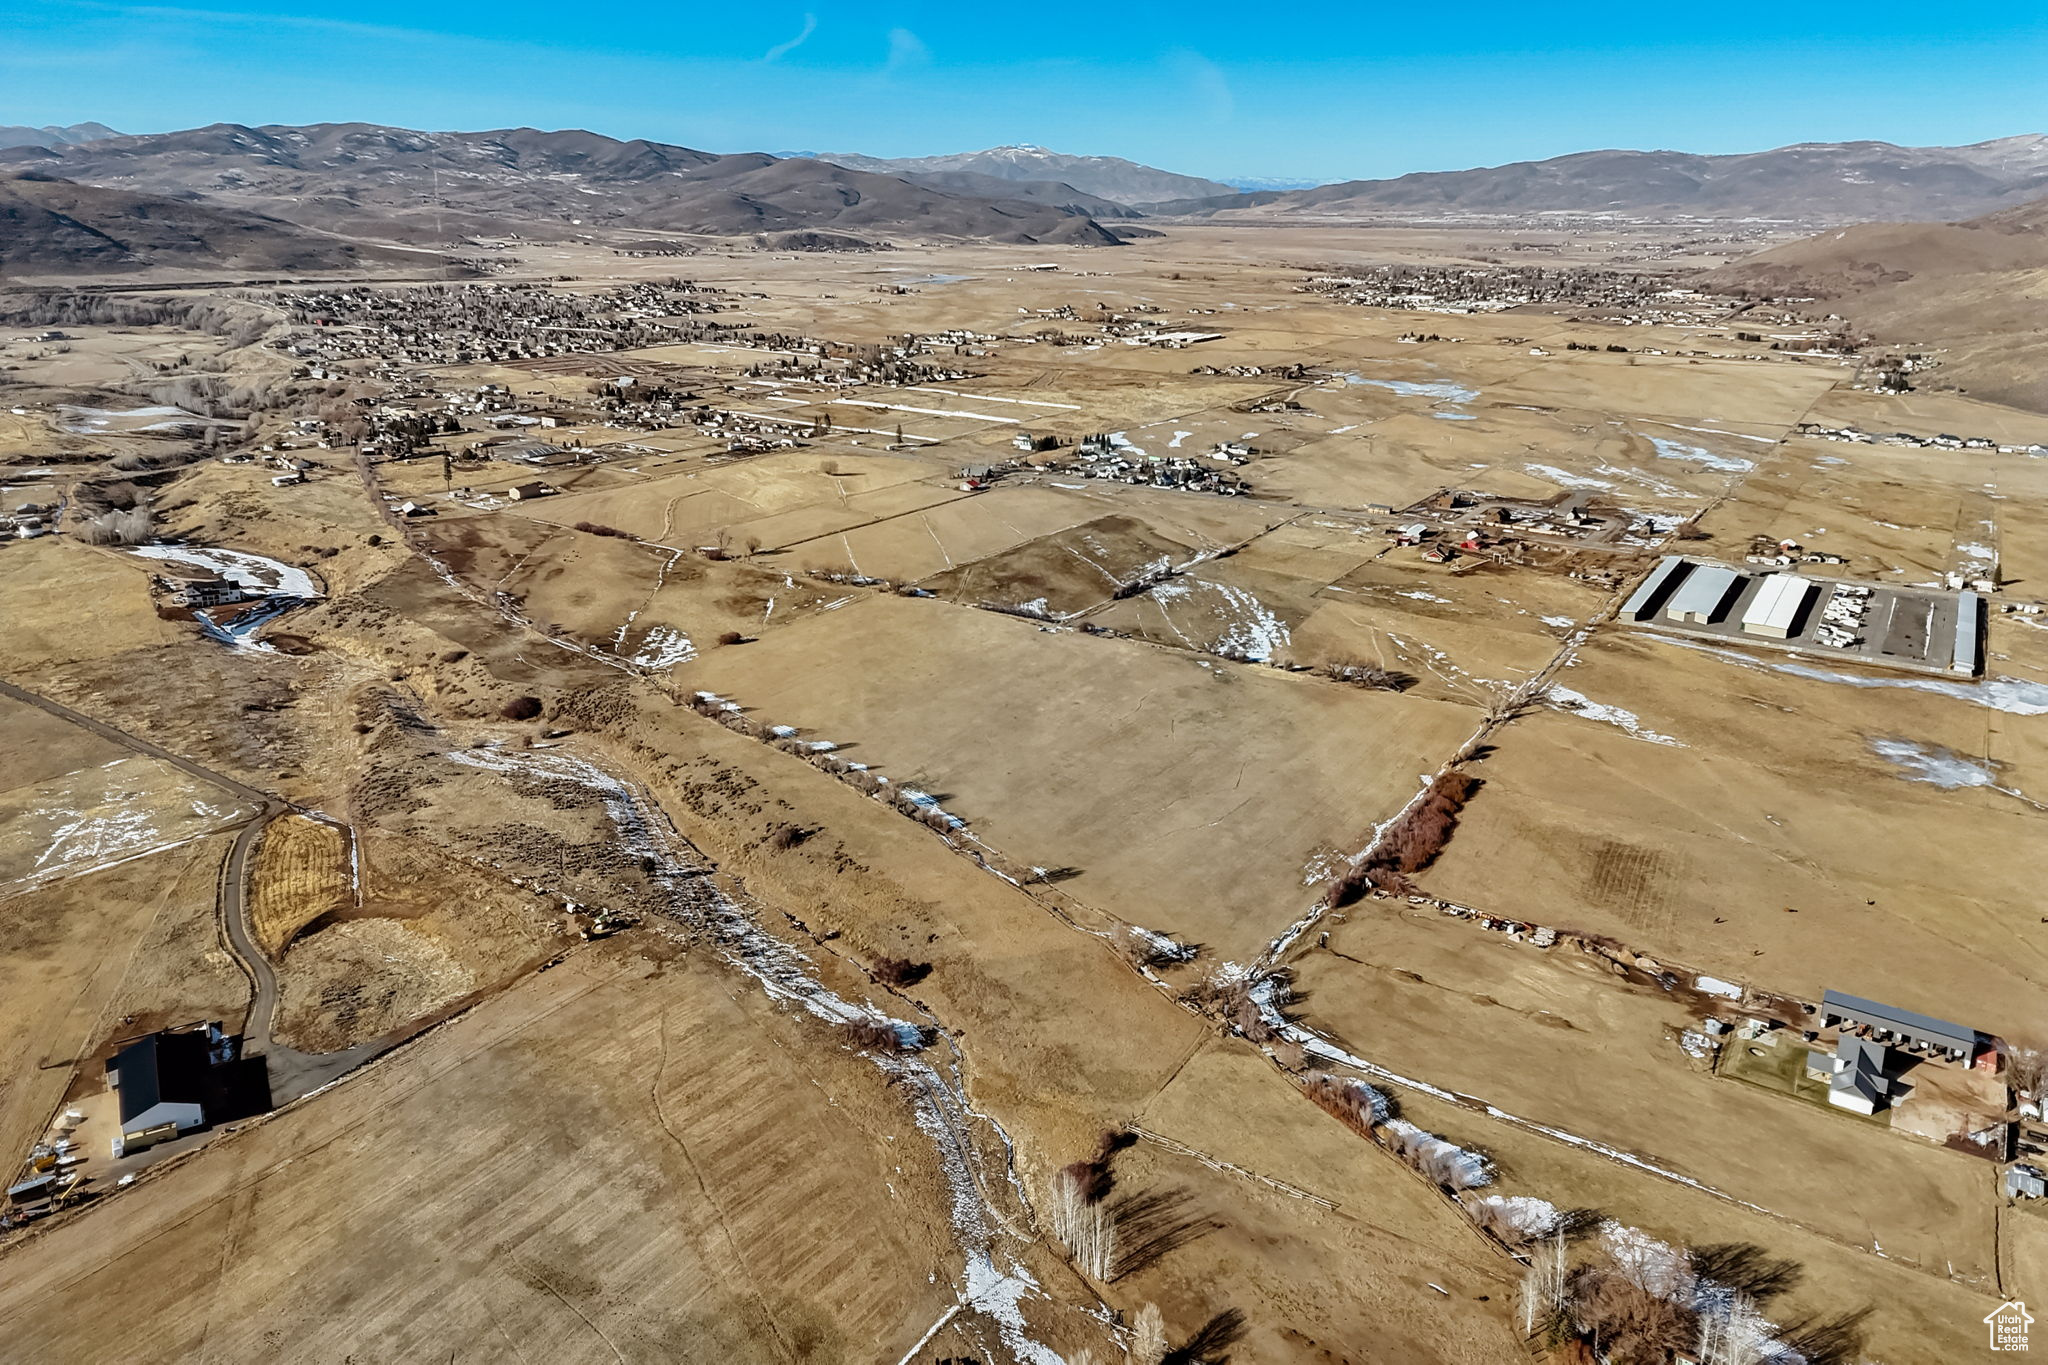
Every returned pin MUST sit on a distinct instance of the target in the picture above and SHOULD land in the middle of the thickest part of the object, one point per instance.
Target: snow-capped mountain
(1106, 177)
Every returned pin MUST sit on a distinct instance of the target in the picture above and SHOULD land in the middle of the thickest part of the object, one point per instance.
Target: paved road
(292, 1073)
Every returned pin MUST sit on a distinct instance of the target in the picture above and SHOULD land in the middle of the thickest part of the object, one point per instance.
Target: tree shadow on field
(1150, 1224)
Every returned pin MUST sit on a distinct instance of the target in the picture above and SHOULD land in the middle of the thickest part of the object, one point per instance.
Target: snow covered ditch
(2013, 696)
(254, 573)
(938, 1098)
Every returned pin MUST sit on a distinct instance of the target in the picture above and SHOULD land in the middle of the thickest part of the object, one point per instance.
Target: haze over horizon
(1201, 89)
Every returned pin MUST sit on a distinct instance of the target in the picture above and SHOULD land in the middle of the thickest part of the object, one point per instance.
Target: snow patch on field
(1564, 479)
(1443, 391)
(1699, 455)
(1930, 763)
(1248, 630)
(664, 647)
(2013, 696)
(1579, 704)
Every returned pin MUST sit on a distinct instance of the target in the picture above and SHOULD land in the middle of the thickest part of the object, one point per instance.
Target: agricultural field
(303, 874)
(1012, 722)
(96, 816)
(821, 879)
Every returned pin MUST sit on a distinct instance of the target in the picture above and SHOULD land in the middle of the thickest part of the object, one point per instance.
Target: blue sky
(1311, 89)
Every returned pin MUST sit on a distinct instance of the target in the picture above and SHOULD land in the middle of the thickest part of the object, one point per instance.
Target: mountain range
(1105, 177)
(396, 184)
(1827, 181)
(53, 136)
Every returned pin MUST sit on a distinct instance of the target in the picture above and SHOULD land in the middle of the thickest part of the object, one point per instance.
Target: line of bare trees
(1410, 844)
(1630, 1301)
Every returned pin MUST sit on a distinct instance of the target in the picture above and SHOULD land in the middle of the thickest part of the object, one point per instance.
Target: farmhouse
(207, 590)
(527, 492)
(1855, 1073)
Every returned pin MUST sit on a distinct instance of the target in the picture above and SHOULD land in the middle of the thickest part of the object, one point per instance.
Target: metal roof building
(1968, 658)
(1953, 1040)
(1775, 609)
(1650, 593)
(1704, 595)
(161, 1080)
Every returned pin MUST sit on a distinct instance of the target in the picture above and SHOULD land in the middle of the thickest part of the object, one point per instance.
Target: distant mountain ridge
(55, 227)
(53, 136)
(1106, 177)
(399, 184)
(1828, 181)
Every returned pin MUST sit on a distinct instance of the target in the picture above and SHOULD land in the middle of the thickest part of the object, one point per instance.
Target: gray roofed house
(1857, 1081)
(177, 1081)
(2025, 1182)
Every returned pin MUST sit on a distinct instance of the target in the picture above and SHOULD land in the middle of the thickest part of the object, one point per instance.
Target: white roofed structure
(1775, 608)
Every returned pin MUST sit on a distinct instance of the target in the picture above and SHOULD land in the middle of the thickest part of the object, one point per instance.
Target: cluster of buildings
(1106, 457)
(1628, 297)
(1908, 628)
(28, 521)
(1818, 431)
(1861, 1070)
(468, 323)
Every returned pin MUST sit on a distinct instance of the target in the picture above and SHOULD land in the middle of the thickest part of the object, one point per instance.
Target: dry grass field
(1401, 984)
(608, 1164)
(1012, 725)
(97, 816)
(1754, 827)
(670, 1145)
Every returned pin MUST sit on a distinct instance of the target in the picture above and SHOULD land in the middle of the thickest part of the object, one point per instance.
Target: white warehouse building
(1775, 609)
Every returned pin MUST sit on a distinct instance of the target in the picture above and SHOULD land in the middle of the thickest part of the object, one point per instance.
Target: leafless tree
(1736, 1337)
(1148, 1336)
(1083, 1225)
(1543, 1289)
(2026, 1068)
